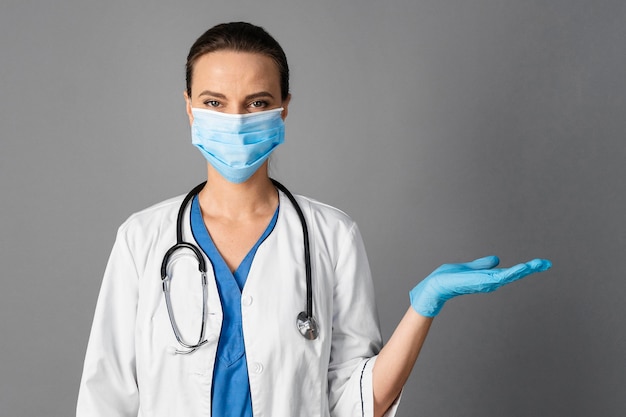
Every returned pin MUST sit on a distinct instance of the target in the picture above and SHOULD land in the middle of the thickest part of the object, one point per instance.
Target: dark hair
(239, 37)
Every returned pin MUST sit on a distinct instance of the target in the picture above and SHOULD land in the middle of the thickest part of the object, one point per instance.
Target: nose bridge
(236, 108)
(236, 101)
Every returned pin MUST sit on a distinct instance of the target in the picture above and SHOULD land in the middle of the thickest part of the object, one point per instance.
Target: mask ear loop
(305, 321)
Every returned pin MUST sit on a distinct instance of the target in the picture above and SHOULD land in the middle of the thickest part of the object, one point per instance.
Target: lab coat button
(247, 300)
(257, 367)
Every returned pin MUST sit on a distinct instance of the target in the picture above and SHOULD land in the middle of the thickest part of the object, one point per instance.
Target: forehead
(235, 70)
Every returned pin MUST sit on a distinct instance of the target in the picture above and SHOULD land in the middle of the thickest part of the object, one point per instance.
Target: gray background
(448, 129)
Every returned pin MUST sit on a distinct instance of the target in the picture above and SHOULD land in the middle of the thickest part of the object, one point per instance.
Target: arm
(356, 337)
(108, 386)
(396, 359)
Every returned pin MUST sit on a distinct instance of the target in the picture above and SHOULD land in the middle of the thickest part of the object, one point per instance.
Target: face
(236, 83)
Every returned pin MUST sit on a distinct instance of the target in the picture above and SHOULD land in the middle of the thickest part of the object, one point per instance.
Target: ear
(188, 107)
(285, 106)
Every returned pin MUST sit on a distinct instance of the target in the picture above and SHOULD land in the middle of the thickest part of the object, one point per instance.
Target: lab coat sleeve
(356, 333)
(109, 386)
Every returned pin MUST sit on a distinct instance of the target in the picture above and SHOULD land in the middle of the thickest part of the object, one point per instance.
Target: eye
(211, 103)
(258, 104)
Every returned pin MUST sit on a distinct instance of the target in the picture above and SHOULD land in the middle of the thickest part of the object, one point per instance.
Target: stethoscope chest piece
(307, 326)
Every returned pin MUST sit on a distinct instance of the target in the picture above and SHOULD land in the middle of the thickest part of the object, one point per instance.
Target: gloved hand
(478, 276)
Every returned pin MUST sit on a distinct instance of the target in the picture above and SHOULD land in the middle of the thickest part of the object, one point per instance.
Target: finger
(540, 265)
(487, 262)
(519, 271)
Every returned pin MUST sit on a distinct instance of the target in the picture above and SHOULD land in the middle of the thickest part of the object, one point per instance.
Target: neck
(222, 198)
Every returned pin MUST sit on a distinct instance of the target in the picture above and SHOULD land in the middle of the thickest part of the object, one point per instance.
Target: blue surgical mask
(236, 145)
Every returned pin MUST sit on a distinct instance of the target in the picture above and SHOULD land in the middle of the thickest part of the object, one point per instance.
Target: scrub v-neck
(231, 388)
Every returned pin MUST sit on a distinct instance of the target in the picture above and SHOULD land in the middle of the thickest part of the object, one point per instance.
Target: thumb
(487, 262)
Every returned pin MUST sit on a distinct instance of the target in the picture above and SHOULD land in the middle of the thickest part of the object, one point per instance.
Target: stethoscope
(305, 322)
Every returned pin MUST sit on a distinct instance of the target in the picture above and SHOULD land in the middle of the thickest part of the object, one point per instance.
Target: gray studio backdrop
(448, 129)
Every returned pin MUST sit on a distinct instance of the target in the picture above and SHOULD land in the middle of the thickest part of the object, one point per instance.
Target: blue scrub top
(230, 394)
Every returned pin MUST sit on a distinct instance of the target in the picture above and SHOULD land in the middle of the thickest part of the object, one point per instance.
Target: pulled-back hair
(239, 37)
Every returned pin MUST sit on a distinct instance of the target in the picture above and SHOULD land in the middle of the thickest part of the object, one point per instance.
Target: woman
(144, 356)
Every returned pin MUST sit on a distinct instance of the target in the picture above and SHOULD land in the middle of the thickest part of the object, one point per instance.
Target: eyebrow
(211, 93)
(248, 97)
(260, 94)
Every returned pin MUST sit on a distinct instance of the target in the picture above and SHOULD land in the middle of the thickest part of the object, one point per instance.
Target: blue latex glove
(478, 276)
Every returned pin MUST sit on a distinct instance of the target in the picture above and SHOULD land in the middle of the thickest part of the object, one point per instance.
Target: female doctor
(256, 334)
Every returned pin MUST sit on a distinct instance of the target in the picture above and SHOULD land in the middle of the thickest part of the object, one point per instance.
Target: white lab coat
(129, 367)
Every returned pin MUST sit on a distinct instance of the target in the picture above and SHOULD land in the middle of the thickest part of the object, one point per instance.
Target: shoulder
(335, 235)
(323, 212)
(152, 219)
(329, 224)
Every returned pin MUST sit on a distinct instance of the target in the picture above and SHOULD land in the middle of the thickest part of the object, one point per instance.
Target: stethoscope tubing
(305, 321)
(307, 247)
